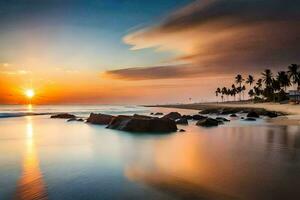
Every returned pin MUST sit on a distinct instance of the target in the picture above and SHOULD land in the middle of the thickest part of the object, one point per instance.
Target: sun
(29, 93)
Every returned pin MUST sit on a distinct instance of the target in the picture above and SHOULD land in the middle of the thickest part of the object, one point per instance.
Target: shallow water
(42, 158)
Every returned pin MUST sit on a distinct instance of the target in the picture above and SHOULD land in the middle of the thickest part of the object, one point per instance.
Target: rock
(209, 122)
(101, 119)
(74, 119)
(138, 123)
(181, 130)
(182, 121)
(242, 117)
(252, 114)
(151, 113)
(71, 120)
(63, 116)
(233, 115)
(271, 114)
(210, 111)
(250, 119)
(158, 113)
(173, 115)
(222, 119)
(188, 117)
(199, 117)
(227, 111)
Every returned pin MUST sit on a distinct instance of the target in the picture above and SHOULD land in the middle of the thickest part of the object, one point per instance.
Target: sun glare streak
(31, 184)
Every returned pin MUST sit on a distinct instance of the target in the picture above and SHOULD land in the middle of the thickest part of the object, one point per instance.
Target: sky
(140, 52)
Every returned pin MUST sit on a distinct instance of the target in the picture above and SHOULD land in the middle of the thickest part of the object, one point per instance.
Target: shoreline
(285, 109)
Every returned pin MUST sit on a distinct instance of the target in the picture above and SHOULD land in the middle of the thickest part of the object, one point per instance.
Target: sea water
(43, 158)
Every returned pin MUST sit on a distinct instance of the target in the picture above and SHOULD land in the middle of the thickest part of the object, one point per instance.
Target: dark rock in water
(222, 119)
(71, 120)
(63, 116)
(233, 115)
(139, 123)
(181, 130)
(158, 113)
(242, 117)
(182, 121)
(271, 114)
(74, 119)
(210, 111)
(209, 122)
(101, 119)
(173, 115)
(151, 113)
(250, 119)
(227, 111)
(252, 114)
(199, 117)
(188, 117)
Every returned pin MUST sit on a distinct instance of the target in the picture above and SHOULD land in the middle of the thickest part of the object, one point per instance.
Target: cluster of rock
(233, 111)
(166, 123)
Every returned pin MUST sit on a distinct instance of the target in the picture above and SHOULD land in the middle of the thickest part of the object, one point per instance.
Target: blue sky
(88, 33)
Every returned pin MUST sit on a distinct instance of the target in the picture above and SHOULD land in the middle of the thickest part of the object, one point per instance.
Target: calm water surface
(42, 158)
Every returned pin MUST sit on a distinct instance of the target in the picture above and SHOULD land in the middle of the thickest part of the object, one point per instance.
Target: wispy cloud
(222, 36)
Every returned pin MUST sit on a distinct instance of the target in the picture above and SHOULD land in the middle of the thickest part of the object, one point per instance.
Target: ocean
(43, 158)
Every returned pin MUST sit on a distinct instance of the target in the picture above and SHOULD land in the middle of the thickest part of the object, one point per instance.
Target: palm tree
(267, 77)
(223, 91)
(294, 74)
(239, 80)
(259, 83)
(250, 80)
(218, 91)
(251, 93)
(257, 91)
(243, 90)
(276, 85)
(283, 79)
(233, 91)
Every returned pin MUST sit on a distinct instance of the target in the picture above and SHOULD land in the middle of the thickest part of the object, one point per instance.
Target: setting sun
(29, 93)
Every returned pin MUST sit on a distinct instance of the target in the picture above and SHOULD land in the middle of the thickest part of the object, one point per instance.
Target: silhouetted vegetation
(268, 87)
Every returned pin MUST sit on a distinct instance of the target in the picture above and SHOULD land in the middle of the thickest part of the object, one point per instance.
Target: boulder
(227, 111)
(101, 119)
(182, 121)
(271, 114)
(159, 113)
(222, 119)
(63, 116)
(80, 120)
(188, 117)
(233, 115)
(210, 111)
(181, 130)
(71, 120)
(139, 123)
(199, 117)
(209, 122)
(250, 119)
(252, 114)
(173, 115)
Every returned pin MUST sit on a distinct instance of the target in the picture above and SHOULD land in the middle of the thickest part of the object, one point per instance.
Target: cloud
(163, 72)
(221, 36)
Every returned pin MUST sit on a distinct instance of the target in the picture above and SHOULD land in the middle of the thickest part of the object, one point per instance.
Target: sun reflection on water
(31, 184)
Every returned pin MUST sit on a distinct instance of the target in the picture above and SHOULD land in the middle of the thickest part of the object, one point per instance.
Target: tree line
(268, 87)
